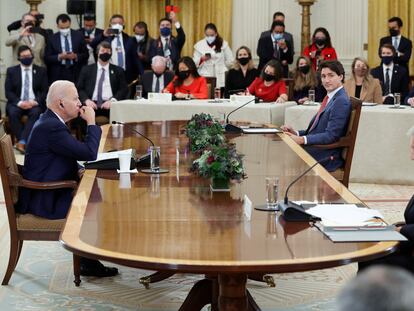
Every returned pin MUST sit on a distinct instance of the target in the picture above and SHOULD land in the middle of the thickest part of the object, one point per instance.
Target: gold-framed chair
(26, 227)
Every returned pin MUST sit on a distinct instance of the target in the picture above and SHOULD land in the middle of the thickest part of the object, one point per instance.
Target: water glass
(155, 157)
(138, 92)
(397, 100)
(272, 191)
(124, 161)
(311, 97)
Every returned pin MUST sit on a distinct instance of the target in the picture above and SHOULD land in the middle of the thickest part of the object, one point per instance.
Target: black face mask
(304, 69)
(267, 77)
(26, 61)
(105, 57)
(244, 60)
(184, 74)
(394, 32)
(320, 41)
(387, 59)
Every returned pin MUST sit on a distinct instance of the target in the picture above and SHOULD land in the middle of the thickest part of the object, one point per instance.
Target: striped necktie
(119, 51)
(26, 85)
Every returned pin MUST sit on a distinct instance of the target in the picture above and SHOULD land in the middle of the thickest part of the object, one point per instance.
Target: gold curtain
(193, 16)
(379, 11)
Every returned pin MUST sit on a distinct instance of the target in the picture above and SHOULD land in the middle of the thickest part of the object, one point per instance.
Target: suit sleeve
(12, 39)
(411, 94)
(288, 55)
(180, 39)
(12, 97)
(407, 53)
(41, 98)
(81, 85)
(63, 143)
(122, 91)
(338, 120)
(404, 83)
(83, 53)
(51, 55)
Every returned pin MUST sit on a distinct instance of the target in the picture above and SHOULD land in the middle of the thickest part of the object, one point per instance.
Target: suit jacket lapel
(112, 78)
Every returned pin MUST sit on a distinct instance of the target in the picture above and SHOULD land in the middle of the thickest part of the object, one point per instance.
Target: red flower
(210, 159)
(209, 123)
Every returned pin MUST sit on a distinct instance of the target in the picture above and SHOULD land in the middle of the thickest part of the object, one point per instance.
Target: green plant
(203, 131)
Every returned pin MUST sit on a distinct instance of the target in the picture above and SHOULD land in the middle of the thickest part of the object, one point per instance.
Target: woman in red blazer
(321, 48)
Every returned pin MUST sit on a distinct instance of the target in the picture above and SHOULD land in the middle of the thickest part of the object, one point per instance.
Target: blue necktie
(67, 49)
(119, 50)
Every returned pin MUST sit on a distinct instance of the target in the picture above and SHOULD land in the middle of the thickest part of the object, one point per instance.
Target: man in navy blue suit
(52, 154)
(331, 121)
(66, 52)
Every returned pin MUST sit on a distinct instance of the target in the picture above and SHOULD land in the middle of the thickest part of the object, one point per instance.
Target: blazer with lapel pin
(399, 80)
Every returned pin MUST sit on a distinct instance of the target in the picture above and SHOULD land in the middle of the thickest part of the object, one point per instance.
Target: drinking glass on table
(397, 100)
(311, 97)
(138, 92)
(272, 191)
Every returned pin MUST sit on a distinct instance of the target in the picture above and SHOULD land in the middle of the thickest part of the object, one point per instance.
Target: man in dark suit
(26, 89)
(102, 83)
(331, 121)
(52, 154)
(393, 78)
(158, 78)
(117, 38)
(401, 44)
(66, 52)
(167, 45)
(275, 46)
(90, 31)
(279, 16)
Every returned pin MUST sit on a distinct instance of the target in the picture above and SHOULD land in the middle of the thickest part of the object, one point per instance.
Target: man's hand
(303, 100)
(173, 17)
(88, 114)
(25, 105)
(106, 105)
(288, 129)
(25, 31)
(298, 139)
(410, 101)
(282, 44)
(72, 56)
(91, 104)
(62, 56)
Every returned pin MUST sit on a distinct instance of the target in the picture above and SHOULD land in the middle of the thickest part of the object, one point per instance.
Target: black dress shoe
(95, 268)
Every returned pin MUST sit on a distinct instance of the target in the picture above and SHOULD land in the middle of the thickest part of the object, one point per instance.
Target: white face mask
(64, 31)
(117, 26)
(210, 39)
(139, 37)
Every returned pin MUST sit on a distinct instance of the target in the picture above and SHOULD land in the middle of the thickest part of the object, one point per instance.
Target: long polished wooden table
(173, 222)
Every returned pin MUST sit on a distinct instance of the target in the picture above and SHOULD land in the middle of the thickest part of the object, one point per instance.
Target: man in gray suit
(279, 16)
(25, 36)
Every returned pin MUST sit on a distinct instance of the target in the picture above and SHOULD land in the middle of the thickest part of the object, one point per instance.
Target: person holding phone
(90, 31)
(212, 55)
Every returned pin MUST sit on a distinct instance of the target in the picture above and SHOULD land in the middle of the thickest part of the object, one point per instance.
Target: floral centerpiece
(203, 131)
(221, 163)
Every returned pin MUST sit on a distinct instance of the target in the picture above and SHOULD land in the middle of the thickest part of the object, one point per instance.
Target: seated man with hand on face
(102, 83)
(331, 121)
(52, 155)
(157, 79)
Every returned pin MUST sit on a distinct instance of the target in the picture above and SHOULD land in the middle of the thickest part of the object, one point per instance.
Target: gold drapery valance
(379, 11)
(193, 16)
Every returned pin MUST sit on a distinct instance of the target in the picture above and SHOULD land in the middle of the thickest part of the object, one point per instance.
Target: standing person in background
(90, 31)
(242, 73)
(321, 48)
(403, 46)
(361, 84)
(276, 47)
(66, 52)
(305, 79)
(212, 55)
(279, 16)
(166, 44)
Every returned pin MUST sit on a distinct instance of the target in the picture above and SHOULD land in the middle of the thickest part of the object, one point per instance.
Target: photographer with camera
(26, 36)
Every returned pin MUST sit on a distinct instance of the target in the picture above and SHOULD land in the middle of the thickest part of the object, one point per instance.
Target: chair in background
(27, 227)
(289, 86)
(347, 142)
(211, 85)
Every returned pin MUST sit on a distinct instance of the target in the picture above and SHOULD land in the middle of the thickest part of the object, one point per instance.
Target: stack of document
(350, 223)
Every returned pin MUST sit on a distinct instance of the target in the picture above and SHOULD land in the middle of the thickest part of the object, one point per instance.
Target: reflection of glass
(155, 158)
(155, 185)
(397, 100)
(217, 94)
(272, 190)
(138, 91)
(311, 97)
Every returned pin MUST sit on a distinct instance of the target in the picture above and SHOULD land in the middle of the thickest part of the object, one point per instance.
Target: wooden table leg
(232, 292)
(199, 296)
(155, 277)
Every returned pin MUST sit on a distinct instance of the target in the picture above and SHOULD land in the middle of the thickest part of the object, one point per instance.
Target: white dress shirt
(23, 75)
(106, 88)
(114, 45)
(154, 82)
(62, 44)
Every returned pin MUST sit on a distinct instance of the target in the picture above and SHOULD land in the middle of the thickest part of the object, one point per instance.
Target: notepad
(261, 130)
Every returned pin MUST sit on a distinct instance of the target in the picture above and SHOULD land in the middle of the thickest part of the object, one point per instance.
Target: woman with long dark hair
(187, 83)
(321, 48)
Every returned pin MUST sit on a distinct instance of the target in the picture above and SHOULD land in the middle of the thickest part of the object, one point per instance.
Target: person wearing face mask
(37, 28)
(26, 36)
(187, 83)
(279, 16)
(102, 84)
(158, 78)
(305, 79)
(137, 52)
(276, 47)
(321, 48)
(118, 39)
(166, 44)
(361, 84)
(66, 52)
(26, 88)
(393, 78)
(212, 55)
(242, 73)
(270, 86)
(402, 45)
(90, 31)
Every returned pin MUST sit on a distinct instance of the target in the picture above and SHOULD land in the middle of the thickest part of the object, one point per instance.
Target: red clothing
(197, 88)
(267, 93)
(326, 54)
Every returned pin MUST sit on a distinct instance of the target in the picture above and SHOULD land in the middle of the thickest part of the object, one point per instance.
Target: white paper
(110, 155)
(261, 130)
(343, 214)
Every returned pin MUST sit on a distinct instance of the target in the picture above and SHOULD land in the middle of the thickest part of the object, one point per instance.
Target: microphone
(230, 128)
(135, 131)
(292, 211)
